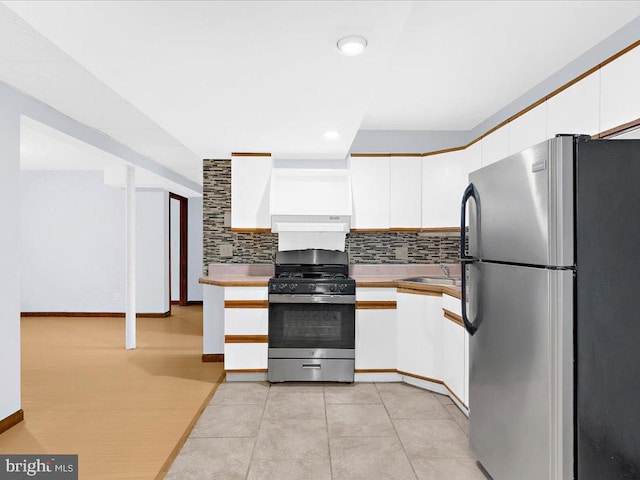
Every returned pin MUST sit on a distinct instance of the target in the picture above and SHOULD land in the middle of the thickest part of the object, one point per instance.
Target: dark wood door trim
(12, 420)
(184, 238)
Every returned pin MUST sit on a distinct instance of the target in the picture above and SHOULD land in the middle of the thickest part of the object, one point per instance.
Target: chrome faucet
(445, 268)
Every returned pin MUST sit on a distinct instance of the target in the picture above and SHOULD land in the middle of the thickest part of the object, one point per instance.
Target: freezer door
(526, 207)
(608, 327)
(521, 374)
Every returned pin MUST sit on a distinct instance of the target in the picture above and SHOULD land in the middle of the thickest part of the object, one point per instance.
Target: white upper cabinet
(370, 186)
(528, 129)
(250, 178)
(576, 109)
(444, 178)
(495, 146)
(620, 94)
(405, 192)
(473, 161)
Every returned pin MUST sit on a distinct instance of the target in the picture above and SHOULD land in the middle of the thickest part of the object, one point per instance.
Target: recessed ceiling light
(331, 134)
(352, 45)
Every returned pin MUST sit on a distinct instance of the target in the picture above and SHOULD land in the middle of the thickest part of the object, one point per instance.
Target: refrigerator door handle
(469, 192)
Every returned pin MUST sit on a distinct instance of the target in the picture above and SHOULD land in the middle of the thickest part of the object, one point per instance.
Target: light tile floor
(254, 431)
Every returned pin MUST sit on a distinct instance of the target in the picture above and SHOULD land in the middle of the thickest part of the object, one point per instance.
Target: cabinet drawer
(376, 294)
(245, 356)
(245, 293)
(246, 321)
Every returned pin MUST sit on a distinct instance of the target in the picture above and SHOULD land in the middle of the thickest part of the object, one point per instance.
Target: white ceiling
(34, 65)
(43, 148)
(181, 81)
(457, 63)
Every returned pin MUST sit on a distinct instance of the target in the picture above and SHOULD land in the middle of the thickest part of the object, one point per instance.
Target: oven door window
(295, 325)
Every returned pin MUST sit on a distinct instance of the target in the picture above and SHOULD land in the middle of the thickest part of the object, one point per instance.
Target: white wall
(9, 263)
(174, 206)
(194, 267)
(72, 244)
(152, 251)
(72, 232)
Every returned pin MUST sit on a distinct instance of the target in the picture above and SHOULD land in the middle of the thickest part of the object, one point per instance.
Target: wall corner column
(10, 395)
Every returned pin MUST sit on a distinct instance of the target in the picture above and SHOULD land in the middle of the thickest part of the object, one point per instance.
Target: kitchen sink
(434, 280)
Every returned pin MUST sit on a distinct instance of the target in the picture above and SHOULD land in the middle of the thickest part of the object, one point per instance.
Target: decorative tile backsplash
(370, 247)
(221, 245)
(245, 247)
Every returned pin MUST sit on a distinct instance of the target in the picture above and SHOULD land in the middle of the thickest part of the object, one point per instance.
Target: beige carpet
(122, 411)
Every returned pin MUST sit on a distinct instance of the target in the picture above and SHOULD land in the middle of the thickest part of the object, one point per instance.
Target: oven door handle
(335, 299)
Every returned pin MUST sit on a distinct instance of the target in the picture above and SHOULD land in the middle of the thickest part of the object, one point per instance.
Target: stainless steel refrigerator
(551, 303)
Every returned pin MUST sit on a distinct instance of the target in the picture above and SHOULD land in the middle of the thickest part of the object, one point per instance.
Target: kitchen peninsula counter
(236, 280)
(374, 276)
(392, 281)
(238, 275)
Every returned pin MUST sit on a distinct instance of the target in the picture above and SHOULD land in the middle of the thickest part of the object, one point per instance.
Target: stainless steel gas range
(312, 317)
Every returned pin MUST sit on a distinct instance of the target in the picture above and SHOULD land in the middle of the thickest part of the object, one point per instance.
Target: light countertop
(380, 276)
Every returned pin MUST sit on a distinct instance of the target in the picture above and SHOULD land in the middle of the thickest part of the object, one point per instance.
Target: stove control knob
(293, 286)
(311, 287)
(343, 287)
(332, 288)
(281, 286)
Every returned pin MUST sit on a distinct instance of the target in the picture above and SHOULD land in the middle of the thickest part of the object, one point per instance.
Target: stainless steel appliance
(552, 299)
(311, 317)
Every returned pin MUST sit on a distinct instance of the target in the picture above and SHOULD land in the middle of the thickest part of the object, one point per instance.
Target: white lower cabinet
(453, 357)
(458, 340)
(245, 328)
(245, 356)
(374, 330)
(431, 346)
(407, 341)
(246, 321)
(419, 334)
(465, 399)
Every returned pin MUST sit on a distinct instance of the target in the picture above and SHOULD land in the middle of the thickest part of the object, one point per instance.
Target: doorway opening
(178, 228)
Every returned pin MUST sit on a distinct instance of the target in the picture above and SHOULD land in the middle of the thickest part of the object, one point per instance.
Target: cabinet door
(529, 129)
(465, 399)
(453, 359)
(430, 337)
(444, 178)
(405, 192)
(495, 146)
(409, 314)
(245, 356)
(576, 109)
(370, 187)
(375, 335)
(419, 334)
(250, 178)
(620, 95)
